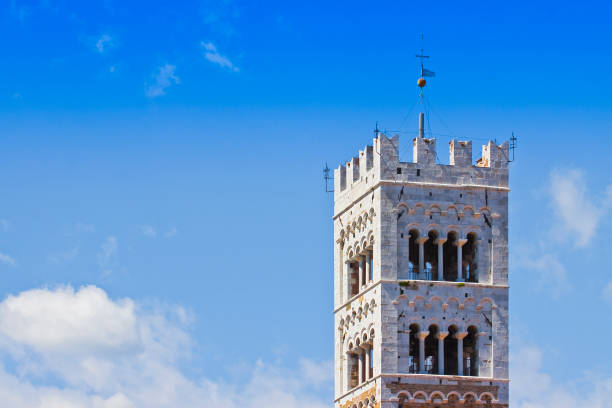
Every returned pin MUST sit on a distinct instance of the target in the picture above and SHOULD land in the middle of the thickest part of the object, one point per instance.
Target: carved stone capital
(423, 334)
(442, 335)
(461, 335)
(461, 242)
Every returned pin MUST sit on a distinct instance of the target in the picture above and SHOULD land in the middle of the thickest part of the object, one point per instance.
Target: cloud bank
(79, 348)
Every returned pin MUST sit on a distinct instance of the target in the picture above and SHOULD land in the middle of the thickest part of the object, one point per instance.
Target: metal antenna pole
(421, 84)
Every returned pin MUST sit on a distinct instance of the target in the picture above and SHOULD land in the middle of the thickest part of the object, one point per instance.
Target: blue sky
(161, 168)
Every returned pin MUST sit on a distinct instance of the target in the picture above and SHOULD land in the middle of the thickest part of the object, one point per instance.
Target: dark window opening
(469, 258)
(450, 257)
(450, 352)
(470, 352)
(431, 350)
(414, 349)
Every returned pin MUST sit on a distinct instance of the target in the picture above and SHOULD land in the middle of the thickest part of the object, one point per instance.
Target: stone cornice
(419, 184)
(427, 282)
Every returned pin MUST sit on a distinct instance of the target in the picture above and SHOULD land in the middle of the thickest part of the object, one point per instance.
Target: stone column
(441, 337)
(422, 336)
(367, 362)
(360, 367)
(460, 337)
(421, 241)
(361, 272)
(367, 266)
(460, 243)
(440, 242)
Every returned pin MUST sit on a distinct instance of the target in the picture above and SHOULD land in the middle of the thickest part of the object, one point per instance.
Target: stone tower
(421, 277)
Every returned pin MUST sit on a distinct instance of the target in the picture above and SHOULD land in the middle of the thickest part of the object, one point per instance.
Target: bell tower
(421, 277)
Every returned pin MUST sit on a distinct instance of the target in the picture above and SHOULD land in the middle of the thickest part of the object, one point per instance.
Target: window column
(460, 337)
(441, 337)
(460, 243)
(422, 336)
(361, 272)
(421, 242)
(366, 351)
(440, 242)
(360, 366)
(368, 266)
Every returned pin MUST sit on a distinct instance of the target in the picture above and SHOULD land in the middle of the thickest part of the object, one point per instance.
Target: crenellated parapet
(380, 162)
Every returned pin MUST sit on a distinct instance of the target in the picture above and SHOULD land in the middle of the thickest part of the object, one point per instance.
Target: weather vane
(421, 83)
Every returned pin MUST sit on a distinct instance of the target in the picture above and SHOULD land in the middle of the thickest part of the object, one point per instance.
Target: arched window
(413, 253)
(431, 350)
(470, 258)
(431, 256)
(450, 352)
(470, 352)
(450, 257)
(414, 349)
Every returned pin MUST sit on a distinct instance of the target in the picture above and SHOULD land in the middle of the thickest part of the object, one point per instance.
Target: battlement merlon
(379, 162)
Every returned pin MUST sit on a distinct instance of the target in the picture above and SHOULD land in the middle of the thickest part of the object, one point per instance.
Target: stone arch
(483, 303)
(454, 321)
(350, 252)
(484, 210)
(453, 228)
(471, 229)
(487, 396)
(363, 242)
(436, 395)
(403, 396)
(370, 236)
(453, 395)
(419, 303)
(434, 227)
(467, 209)
(451, 208)
(469, 303)
(419, 396)
(434, 208)
(453, 303)
(433, 320)
(414, 226)
(418, 205)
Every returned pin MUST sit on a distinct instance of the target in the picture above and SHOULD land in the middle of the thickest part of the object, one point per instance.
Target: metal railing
(413, 274)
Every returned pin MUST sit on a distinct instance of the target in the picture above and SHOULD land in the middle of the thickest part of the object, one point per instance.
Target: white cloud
(607, 292)
(104, 42)
(531, 387)
(212, 55)
(317, 372)
(148, 231)
(108, 251)
(552, 275)
(63, 257)
(68, 321)
(7, 259)
(578, 209)
(80, 348)
(164, 78)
